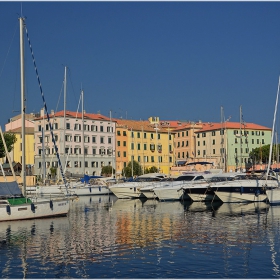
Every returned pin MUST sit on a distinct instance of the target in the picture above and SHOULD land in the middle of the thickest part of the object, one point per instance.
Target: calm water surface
(104, 237)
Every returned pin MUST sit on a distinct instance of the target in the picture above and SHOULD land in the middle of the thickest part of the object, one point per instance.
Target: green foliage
(107, 171)
(261, 154)
(10, 139)
(137, 169)
(152, 169)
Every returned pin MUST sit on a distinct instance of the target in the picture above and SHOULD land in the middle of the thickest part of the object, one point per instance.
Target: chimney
(42, 111)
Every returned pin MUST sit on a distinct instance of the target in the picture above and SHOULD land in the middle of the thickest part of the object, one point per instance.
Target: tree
(261, 154)
(152, 169)
(10, 140)
(107, 171)
(137, 169)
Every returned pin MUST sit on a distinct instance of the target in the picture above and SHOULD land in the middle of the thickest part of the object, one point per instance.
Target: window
(253, 142)
(138, 134)
(178, 145)
(183, 133)
(119, 143)
(132, 146)
(178, 154)
(109, 140)
(118, 133)
(187, 143)
(85, 151)
(204, 143)
(139, 159)
(94, 151)
(198, 143)
(87, 139)
(77, 138)
(214, 152)
(77, 126)
(86, 164)
(102, 139)
(55, 126)
(101, 128)
(160, 159)
(145, 135)
(138, 146)
(152, 159)
(77, 151)
(152, 136)
(213, 133)
(262, 141)
(124, 133)
(213, 142)
(183, 143)
(68, 138)
(94, 164)
(39, 127)
(93, 128)
(124, 143)
(178, 134)
(119, 154)
(145, 147)
(67, 125)
(93, 139)
(124, 154)
(86, 127)
(158, 136)
(152, 147)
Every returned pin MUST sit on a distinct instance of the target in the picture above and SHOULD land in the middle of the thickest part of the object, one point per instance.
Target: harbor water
(105, 237)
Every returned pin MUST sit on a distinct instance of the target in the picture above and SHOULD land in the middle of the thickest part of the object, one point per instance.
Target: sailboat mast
(273, 128)
(83, 132)
(240, 138)
(64, 119)
(21, 23)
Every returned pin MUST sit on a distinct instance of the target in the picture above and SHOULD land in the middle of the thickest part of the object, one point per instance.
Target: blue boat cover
(9, 189)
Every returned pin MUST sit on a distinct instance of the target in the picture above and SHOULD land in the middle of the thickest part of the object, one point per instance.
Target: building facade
(148, 142)
(229, 144)
(85, 142)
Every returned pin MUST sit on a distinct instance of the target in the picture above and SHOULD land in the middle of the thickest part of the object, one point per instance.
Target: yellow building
(148, 142)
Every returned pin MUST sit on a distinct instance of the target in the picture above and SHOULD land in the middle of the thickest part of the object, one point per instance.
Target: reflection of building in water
(142, 223)
(106, 229)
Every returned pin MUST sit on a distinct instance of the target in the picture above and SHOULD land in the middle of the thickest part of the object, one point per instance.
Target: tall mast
(21, 23)
(64, 118)
(83, 133)
(273, 128)
(240, 138)
(112, 144)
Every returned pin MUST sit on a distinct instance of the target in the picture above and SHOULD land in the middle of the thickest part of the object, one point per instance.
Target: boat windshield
(147, 179)
(185, 178)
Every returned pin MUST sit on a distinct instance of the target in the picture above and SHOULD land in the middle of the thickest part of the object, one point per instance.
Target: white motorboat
(173, 190)
(132, 189)
(244, 188)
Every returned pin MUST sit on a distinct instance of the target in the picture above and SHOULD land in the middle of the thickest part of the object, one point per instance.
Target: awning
(200, 162)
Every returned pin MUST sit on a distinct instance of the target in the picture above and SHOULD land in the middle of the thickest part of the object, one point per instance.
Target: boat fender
(99, 189)
(209, 189)
(32, 207)
(134, 189)
(89, 189)
(241, 190)
(8, 209)
(51, 204)
(257, 192)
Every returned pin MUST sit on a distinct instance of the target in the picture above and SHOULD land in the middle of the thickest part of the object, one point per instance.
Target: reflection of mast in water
(274, 215)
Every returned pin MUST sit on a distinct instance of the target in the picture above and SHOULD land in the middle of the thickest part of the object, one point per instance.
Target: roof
(139, 125)
(77, 115)
(232, 125)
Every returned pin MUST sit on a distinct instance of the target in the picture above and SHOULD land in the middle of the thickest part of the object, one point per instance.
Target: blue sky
(174, 60)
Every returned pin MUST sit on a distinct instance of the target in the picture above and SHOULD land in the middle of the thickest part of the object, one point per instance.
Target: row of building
(86, 142)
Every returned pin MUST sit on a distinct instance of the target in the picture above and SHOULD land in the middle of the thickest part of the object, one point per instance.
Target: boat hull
(37, 209)
(88, 190)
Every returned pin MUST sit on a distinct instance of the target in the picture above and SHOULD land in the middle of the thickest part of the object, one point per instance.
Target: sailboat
(14, 204)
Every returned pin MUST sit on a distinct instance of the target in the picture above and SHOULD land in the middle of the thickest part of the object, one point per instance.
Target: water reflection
(103, 237)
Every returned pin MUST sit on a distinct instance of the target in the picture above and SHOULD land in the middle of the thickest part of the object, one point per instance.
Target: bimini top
(9, 189)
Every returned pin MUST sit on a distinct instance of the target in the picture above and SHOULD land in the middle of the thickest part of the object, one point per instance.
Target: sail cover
(9, 189)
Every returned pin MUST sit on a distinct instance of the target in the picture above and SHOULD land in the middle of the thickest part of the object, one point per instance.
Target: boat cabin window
(185, 178)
